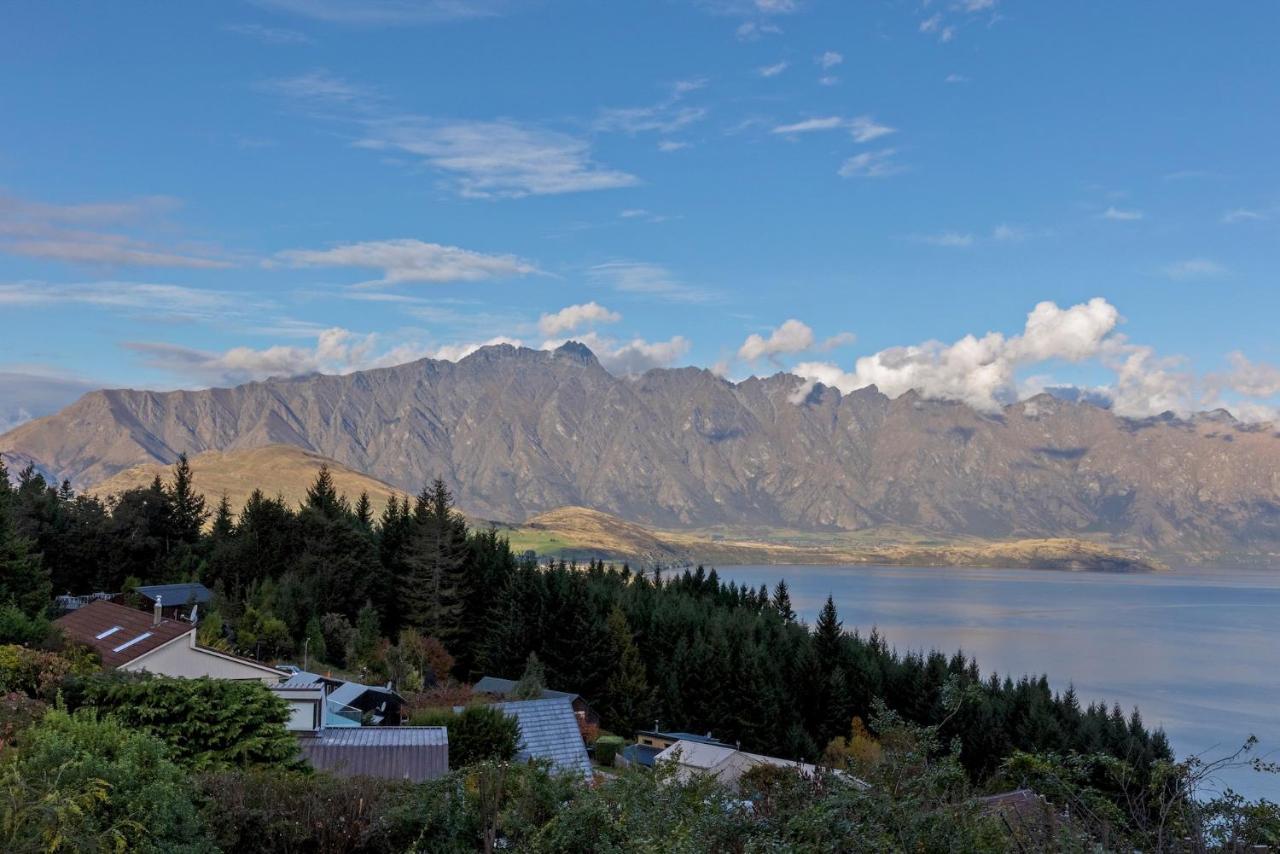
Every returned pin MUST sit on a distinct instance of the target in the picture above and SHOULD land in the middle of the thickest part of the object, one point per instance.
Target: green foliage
(18, 627)
(626, 701)
(84, 783)
(39, 673)
(607, 749)
(207, 723)
(532, 682)
(24, 579)
(476, 734)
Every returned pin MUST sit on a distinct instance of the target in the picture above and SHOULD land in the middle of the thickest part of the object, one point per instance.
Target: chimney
(156, 617)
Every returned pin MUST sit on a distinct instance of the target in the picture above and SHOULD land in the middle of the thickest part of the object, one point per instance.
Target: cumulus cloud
(871, 164)
(861, 128)
(630, 358)
(1255, 379)
(408, 260)
(791, 337)
(574, 316)
(978, 371)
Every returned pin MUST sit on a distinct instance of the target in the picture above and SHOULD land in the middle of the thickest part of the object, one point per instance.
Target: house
(502, 688)
(338, 703)
(132, 640)
(177, 601)
(650, 743)
(727, 764)
(413, 753)
(549, 730)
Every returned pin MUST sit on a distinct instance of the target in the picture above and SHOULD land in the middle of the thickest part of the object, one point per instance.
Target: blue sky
(203, 194)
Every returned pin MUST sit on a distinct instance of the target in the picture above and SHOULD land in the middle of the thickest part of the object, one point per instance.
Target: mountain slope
(518, 432)
(280, 470)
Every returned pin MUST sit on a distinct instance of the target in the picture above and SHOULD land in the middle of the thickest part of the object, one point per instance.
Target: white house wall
(180, 657)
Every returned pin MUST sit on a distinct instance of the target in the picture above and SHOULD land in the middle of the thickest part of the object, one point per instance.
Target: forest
(416, 596)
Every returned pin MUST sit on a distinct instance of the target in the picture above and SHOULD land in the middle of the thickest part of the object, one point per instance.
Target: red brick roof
(84, 625)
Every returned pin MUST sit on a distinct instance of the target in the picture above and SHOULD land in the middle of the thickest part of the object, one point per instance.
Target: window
(110, 631)
(130, 643)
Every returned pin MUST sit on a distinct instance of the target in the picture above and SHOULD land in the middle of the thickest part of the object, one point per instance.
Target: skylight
(110, 631)
(130, 643)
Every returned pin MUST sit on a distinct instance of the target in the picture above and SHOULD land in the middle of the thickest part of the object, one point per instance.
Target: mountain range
(518, 432)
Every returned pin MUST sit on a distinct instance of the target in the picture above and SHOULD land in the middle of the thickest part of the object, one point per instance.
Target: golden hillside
(275, 469)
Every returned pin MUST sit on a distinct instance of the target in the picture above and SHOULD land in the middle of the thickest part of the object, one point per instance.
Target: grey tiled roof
(394, 752)
(502, 687)
(549, 730)
(176, 594)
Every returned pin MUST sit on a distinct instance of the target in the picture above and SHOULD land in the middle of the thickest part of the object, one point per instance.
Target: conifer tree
(364, 512)
(782, 602)
(627, 694)
(438, 584)
(827, 635)
(24, 580)
(322, 495)
(532, 682)
(188, 506)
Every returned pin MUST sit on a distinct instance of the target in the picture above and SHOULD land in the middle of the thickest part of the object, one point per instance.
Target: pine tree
(223, 523)
(24, 580)
(364, 512)
(438, 584)
(827, 635)
(323, 495)
(627, 694)
(782, 602)
(532, 682)
(188, 506)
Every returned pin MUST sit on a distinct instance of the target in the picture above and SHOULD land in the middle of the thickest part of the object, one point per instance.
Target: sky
(980, 199)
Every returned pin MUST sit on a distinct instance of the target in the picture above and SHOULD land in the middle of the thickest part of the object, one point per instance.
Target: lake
(1197, 651)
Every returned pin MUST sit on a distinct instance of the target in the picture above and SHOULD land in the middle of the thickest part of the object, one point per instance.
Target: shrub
(17, 713)
(37, 673)
(208, 723)
(607, 749)
(476, 734)
(84, 783)
(17, 627)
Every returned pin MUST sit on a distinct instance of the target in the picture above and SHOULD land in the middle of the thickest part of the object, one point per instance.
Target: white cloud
(829, 80)
(978, 371)
(773, 70)
(387, 13)
(1255, 379)
(574, 316)
(269, 35)
(1242, 215)
(669, 145)
(934, 25)
(978, 5)
(319, 86)
(630, 358)
(749, 31)
(1119, 215)
(72, 233)
(871, 164)
(411, 261)
(955, 78)
(791, 337)
(652, 280)
(949, 239)
(830, 59)
(1194, 268)
(861, 128)
(132, 297)
(1006, 233)
(497, 159)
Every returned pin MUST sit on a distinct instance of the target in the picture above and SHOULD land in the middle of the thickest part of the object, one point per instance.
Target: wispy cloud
(1121, 215)
(269, 35)
(407, 260)
(955, 78)
(320, 86)
(137, 298)
(1242, 215)
(871, 164)
(388, 13)
(76, 233)
(772, 70)
(948, 239)
(1194, 268)
(829, 59)
(652, 280)
(749, 31)
(861, 128)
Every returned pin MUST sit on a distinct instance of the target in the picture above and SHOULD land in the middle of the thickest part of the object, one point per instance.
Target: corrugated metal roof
(176, 594)
(134, 634)
(549, 730)
(503, 687)
(413, 753)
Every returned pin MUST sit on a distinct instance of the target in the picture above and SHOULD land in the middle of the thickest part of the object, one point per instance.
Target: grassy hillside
(581, 533)
(276, 469)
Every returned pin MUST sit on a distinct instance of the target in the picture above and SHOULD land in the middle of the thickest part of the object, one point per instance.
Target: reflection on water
(1197, 652)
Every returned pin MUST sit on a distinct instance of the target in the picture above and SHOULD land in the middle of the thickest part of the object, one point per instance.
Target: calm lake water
(1197, 651)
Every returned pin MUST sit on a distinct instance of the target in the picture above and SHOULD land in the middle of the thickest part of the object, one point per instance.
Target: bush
(17, 627)
(18, 712)
(209, 724)
(84, 783)
(476, 734)
(607, 749)
(39, 674)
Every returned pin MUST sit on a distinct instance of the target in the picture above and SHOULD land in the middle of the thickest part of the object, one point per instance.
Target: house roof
(641, 754)
(346, 692)
(176, 594)
(502, 687)
(117, 633)
(684, 736)
(549, 730)
(415, 753)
